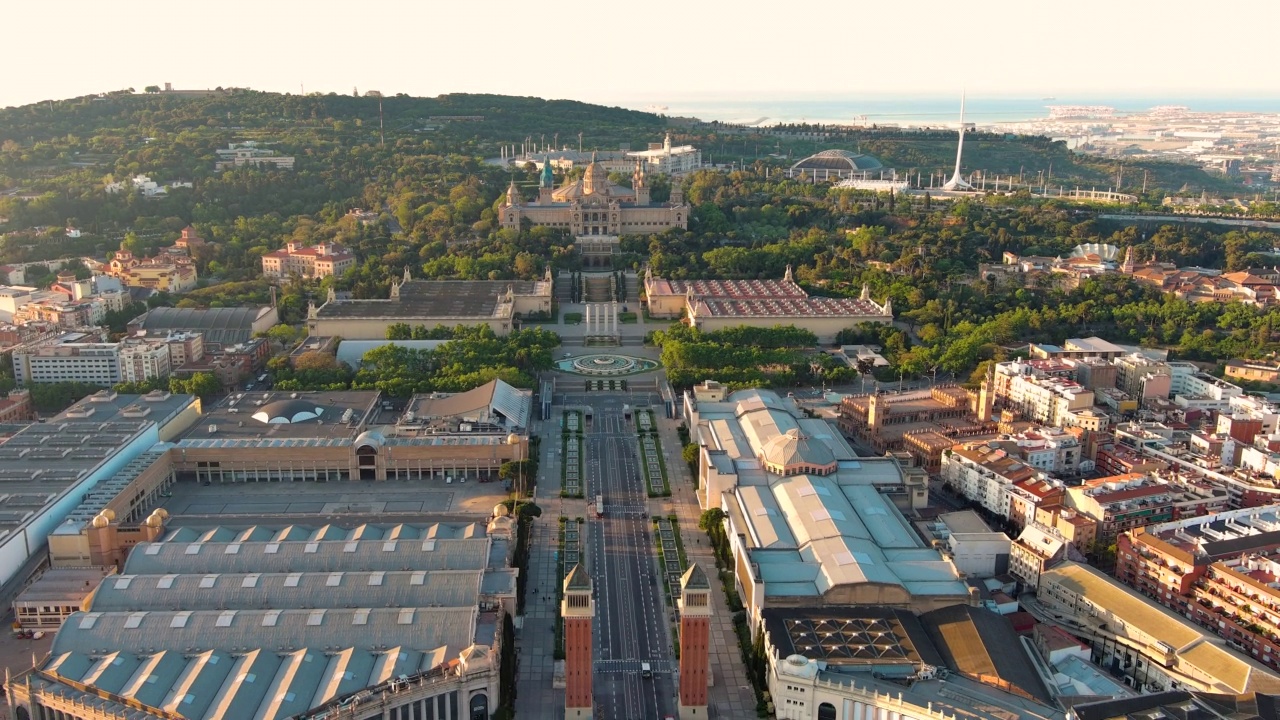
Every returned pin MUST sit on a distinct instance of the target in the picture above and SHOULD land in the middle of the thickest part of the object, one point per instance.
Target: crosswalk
(633, 666)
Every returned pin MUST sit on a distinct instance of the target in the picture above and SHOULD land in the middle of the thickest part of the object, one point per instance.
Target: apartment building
(184, 347)
(1040, 395)
(1048, 449)
(17, 407)
(1027, 496)
(1198, 390)
(1094, 373)
(1167, 560)
(66, 314)
(1254, 371)
(74, 357)
(1123, 502)
(143, 360)
(1079, 529)
(1259, 408)
(1153, 647)
(1141, 377)
(1221, 571)
(1037, 549)
(315, 261)
(984, 473)
(1117, 459)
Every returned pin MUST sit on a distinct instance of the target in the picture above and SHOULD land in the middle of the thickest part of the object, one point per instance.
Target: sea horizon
(917, 110)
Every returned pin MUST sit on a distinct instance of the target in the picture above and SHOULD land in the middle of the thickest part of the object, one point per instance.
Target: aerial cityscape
(417, 381)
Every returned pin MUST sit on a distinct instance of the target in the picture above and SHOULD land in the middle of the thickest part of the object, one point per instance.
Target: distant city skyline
(712, 50)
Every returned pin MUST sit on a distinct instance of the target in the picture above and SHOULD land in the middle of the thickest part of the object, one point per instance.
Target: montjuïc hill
(97, 130)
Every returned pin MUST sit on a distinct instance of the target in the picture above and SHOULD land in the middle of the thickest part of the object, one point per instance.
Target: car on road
(645, 670)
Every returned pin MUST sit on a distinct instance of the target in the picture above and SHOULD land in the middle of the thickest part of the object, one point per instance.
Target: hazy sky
(653, 50)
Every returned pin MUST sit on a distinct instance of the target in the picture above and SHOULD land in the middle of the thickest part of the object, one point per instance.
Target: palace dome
(794, 448)
(595, 179)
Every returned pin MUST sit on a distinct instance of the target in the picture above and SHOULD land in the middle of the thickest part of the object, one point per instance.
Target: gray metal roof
(253, 663)
(423, 300)
(495, 402)
(187, 631)
(45, 460)
(226, 326)
(217, 628)
(296, 549)
(244, 591)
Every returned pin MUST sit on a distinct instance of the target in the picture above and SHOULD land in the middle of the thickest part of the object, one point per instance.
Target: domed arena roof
(1104, 251)
(838, 161)
(795, 448)
(288, 411)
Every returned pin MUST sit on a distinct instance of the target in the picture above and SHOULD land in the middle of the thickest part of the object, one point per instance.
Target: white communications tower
(956, 182)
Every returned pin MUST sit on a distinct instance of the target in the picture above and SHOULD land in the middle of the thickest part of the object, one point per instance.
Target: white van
(645, 670)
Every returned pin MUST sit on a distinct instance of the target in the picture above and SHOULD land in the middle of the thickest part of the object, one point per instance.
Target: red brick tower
(695, 642)
(578, 609)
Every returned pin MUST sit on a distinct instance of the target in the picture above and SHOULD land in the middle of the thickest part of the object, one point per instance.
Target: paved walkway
(535, 641)
(731, 695)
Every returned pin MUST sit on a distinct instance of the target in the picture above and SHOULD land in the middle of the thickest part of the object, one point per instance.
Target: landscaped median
(571, 475)
(568, 554)
(652, 464)
(672, 561)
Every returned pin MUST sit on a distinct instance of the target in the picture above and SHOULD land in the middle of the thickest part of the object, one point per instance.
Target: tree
(522, 474)
(151, 89)
(56, 397)
(315, 360)
(690, 455)
(710, 519)
(201, 384)
(286, 335)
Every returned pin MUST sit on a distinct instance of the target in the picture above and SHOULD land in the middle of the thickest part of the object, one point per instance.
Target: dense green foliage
(473, 357)
(737, 357)
(426, 177)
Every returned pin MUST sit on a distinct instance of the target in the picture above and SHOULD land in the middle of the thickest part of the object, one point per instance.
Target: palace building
(496, 303)
(594, 206)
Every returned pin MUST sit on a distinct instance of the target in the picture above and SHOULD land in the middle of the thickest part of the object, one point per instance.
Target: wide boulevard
(631, 625)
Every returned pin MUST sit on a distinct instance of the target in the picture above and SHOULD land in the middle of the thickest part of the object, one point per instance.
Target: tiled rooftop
(789, 307)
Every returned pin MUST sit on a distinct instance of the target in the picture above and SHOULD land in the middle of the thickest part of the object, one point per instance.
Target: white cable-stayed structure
(957, 182)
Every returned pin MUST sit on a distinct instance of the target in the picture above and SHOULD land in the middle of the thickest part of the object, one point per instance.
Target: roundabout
(605, 365)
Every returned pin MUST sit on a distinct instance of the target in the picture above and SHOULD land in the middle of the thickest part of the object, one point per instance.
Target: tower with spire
(1127, 267)
(695, 642)
(546, 182)
(513, 208)
(957, 182)
(640, 185)
(987, 395)
(578, 609)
